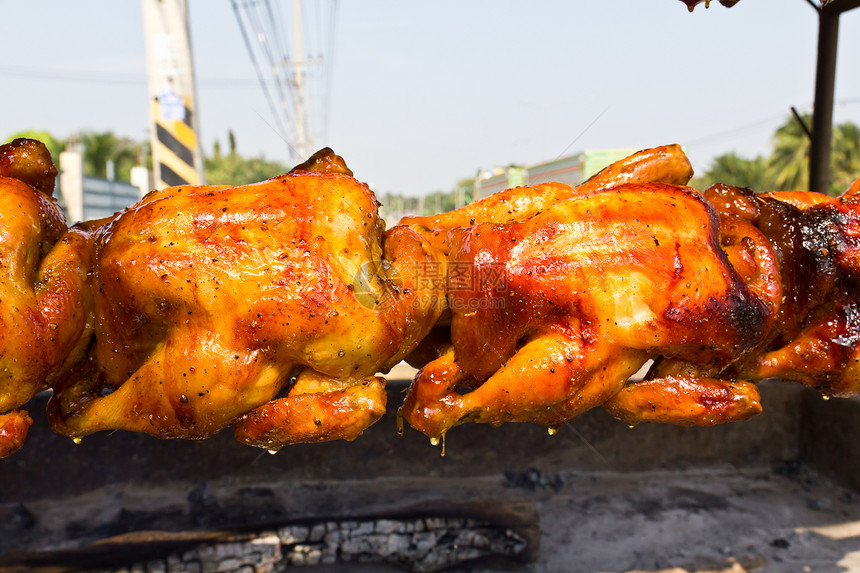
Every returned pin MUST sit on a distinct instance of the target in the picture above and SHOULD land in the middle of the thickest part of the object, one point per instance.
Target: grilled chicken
(816, 337)
(270, 306)
(553, 312)
(43, 302)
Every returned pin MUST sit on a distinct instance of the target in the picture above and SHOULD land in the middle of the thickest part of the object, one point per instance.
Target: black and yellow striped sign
(175, 143)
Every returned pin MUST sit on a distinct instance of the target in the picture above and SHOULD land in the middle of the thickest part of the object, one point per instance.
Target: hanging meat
(44, 323)
(555, 305)
(816, 337)
(270, 306)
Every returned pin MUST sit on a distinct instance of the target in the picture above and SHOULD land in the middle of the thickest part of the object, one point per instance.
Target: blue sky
(426, 93)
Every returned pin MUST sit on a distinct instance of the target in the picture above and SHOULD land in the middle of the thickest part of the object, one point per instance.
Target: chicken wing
(551, 314)
(271, 306)
(43, 301)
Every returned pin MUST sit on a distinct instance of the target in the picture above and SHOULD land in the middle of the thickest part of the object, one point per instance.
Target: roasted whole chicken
(43, 303)
(815, 339)
(555, 305)
(270, 306)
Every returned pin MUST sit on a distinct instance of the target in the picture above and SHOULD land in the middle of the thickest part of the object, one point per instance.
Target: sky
(424, 94)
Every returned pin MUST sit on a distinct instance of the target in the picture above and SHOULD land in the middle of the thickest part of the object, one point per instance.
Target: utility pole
(291, 70)
(299, 83)
(176, 156)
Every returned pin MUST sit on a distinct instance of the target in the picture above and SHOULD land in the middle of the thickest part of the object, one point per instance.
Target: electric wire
(112, 78)
(267, 94)
(328, 78)
(263, 35)
(299, 82)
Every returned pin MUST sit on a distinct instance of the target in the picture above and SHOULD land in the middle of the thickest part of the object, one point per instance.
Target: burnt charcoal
(694, 500)
(205, 509)
(789, 468)
(16, 518)
(256, 492)
(533, 480)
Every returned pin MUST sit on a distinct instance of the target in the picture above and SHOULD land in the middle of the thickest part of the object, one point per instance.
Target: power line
(761, 122)
(110, 78)
(69, 76)
(290, 51)
(256, 65)
(735, 130)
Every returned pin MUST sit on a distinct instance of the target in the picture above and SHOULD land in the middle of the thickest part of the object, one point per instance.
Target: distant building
(571, 170)
(499, 179)
(85, 198)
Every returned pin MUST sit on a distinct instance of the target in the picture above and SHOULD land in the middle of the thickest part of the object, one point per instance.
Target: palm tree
(99, 148)
(735, 170)
(789, 162)
(845, 158)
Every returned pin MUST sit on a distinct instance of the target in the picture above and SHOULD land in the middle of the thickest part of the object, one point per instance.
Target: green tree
(845, 160)
(99, 148)
(439, 202)
(787, 167)
(735, 170)
(789, 162)
(790, 159)
(234, 169)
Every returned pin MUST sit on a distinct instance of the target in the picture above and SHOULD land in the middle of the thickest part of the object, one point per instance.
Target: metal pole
(822, 117)
(825, 82)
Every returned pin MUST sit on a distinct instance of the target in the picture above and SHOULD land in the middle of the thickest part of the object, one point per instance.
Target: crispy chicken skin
(270, 306)
(29, 161)
(816, 337)
(13, 431)
(551, 314)
(43, 302)
(685, 401)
